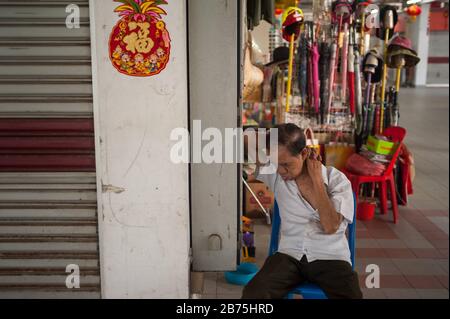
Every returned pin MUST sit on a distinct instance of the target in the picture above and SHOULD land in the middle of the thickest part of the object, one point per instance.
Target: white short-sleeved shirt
(300, 231)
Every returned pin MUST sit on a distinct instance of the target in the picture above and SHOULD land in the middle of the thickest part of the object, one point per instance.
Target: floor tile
(401, 293)
(433, 293)
(399, 253)
(424, 282)
(427, 253)
(419, 267)
(441, 222)
(443, 280)
(371, 253)
(373, 293)
(391, 243)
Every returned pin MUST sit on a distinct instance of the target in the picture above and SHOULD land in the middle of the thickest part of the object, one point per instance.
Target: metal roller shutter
(48, 207)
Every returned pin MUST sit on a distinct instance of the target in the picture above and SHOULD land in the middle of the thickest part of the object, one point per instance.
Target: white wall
(214, 61)
(144, 218)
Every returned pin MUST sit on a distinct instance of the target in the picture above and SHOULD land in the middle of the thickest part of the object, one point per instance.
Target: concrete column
(420, 36)
(143, 197)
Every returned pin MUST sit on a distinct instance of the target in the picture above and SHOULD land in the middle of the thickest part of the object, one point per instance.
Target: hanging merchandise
(258, 10)
(351, 72)
(314, 53)
(358, 94)
(359, 8)
(400, 54)
(372, 70)
(325, 53)
(303, 70)
(388, 21)
(332, 69)
(292, 22)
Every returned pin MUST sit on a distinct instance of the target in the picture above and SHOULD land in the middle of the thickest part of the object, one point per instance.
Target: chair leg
(393, 198)
(355, 186)
(383, 197)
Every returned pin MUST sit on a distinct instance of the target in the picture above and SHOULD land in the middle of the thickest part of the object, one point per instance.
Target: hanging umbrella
(351, 73)
(292, 22)
(400, 54)
(358, 94)
(303, 78)
(344, 67)
(331, 79)
(315, 56)
(372, 65)
(325, 52)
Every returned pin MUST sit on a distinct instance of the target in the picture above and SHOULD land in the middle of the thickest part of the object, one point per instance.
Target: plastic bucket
(365, 210)
(243, 274)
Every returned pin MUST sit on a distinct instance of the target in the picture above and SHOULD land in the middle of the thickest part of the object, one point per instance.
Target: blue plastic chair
(308, 290)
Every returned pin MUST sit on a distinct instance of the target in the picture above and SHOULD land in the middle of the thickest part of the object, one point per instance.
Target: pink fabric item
(358, 164)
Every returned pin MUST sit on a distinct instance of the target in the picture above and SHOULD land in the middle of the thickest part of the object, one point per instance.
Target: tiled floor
(412, 255)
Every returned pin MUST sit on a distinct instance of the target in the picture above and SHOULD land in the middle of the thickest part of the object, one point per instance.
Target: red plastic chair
(396, 134)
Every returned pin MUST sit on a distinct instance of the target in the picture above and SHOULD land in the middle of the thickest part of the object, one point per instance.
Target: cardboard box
(265, 196)
(380, 146)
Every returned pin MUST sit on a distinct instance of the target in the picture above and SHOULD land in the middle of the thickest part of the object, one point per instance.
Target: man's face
(289, 166)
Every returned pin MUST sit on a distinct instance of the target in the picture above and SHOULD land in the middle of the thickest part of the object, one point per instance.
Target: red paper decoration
(139, 44)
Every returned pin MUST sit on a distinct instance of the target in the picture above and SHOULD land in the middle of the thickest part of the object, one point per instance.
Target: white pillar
(143, 197)
(420, 36)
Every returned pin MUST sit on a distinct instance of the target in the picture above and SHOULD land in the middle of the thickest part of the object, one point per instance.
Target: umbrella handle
(398, 78)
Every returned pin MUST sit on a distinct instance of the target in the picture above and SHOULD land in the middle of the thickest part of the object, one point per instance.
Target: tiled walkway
(412, 255)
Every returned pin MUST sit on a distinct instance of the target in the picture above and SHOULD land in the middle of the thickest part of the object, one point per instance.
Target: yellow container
(380, 146)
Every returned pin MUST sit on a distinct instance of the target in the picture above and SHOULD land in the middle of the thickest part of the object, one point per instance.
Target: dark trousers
(282, 273)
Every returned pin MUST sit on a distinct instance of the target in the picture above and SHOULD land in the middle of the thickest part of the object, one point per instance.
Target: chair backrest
(276, 222)
(396, 134)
